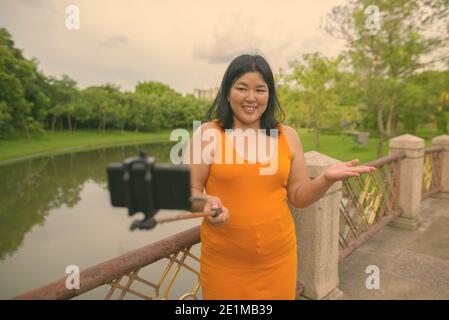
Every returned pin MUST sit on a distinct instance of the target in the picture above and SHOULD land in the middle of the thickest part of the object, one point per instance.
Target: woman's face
(248, 98)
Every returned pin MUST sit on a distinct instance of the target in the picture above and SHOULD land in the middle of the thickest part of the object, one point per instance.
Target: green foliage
(31, 102)
(318, 93)
(23, 99)
(378, 84)
(393, 90)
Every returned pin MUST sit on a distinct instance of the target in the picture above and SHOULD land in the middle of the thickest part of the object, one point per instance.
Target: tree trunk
(69, 120)
(380, 126)
(53, 123)
(391, 117)
(394, 126)
(380, 146)
(27, 132)
(317, 138)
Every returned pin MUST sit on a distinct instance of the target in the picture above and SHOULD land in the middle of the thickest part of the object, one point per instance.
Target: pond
(55, 212)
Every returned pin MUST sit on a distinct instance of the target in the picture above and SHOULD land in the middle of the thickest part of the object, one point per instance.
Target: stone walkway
(412, 264)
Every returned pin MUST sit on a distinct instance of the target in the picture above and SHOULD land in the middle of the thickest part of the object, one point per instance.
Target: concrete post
(410, 176)
(317, 232)
(443, 141)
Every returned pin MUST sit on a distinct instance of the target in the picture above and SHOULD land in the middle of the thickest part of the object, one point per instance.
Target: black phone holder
(136, 204)
(142, 185)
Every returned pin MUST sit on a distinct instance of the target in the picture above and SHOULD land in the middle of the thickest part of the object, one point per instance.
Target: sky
(185, 44)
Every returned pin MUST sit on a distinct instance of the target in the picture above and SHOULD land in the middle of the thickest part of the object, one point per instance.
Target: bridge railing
(147, 273)
(369, 202)
(327, 231)
(432, 171)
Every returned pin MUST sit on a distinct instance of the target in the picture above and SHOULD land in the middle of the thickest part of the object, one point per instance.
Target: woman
(249, 250)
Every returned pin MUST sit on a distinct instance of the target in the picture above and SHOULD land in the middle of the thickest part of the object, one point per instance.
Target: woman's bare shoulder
(290, 132)
(292, 138)
(209, 124)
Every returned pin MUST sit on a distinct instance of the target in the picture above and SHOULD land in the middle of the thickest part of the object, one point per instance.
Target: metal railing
(431, 171)
(124, 273)
(369, 202)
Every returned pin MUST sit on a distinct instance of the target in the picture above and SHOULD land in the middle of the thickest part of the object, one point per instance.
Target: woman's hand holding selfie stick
(208, 206)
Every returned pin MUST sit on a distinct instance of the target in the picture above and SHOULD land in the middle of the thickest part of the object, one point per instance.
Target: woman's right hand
(215, 203)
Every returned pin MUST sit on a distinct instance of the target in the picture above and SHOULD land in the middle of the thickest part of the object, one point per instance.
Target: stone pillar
(410, 176)
(317, 232)
(443, 141)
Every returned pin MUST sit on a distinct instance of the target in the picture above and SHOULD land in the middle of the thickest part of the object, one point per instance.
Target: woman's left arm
(301, 190)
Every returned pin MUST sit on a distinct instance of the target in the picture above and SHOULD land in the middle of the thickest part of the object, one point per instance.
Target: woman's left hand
(344, 170)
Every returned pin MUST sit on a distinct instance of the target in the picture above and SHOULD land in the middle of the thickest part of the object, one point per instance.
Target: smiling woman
(247, 96)
(249, 250)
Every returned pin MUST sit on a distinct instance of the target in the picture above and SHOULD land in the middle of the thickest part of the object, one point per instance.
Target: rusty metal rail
(369, 203)
(108, 272)
(378, 163)
(432, 171)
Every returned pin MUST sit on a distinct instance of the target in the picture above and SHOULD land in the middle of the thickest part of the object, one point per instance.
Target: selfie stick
(197, 205)
(189, 215)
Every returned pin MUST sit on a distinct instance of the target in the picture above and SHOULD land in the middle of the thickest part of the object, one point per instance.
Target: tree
(23, 93)
(102, 101)
(64, 99)
(137, 104)
(29, 101)
(289, 100)
(165, 103)
(314, 80)
(400, 46)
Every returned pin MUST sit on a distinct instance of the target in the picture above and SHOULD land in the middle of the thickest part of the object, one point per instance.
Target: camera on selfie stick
(142, 185)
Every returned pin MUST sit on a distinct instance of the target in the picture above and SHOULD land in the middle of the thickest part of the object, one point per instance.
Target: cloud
(38, 7)
(114, 42)
(237, 36)
(244, 34)
(183, 44)
(32, 3)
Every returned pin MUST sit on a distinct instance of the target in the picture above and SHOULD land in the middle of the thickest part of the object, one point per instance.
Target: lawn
(63, 141)
(341, 147)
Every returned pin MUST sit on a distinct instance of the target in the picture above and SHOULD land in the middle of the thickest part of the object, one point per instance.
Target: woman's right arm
(199, 173)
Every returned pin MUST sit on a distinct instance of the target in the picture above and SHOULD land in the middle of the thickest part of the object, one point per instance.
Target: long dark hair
(221, 109)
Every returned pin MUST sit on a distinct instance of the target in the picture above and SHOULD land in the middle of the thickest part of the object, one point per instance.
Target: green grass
(63, 141)
(341, 147)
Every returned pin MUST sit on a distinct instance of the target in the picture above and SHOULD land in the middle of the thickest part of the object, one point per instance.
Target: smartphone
(145, 186)
(172, 188)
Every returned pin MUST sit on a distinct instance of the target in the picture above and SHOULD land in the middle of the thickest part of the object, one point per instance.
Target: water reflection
(30, 189)
(55, 211)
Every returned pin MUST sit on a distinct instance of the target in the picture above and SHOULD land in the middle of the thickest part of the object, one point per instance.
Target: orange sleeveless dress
(253, 255)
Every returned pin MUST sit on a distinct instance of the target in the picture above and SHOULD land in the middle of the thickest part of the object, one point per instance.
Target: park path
(412, 264)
